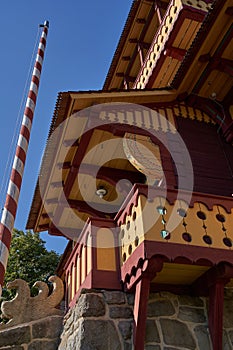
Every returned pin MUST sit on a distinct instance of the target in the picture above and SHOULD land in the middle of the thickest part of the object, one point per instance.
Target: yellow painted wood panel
(149, 223)
(78, 272)
(189, 35)
(83, 264)
(182, 32)
(169, 72)
(73, 285)
(106, 255)
(161, 73)
(89, 258)
(179, 274)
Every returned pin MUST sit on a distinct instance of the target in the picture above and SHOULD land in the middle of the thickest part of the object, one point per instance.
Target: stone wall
(104, 321)
(36, 335)
(176, 322)
(228, 320)
(100, 320)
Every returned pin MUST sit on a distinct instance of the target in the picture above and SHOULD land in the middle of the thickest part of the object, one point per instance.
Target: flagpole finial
(46, 24)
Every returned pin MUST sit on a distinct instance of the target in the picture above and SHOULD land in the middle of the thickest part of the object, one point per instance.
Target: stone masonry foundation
(37, 335)
(103, 320)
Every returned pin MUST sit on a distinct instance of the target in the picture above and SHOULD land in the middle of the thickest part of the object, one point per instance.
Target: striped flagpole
(10, 207)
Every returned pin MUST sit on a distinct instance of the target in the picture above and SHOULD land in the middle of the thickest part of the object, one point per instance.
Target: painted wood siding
(211, 156)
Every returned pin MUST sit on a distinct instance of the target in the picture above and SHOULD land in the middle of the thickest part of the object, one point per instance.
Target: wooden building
(139, 175)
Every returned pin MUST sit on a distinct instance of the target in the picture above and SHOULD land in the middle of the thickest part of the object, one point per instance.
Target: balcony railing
(182, 227)
(190, 232)
(94, 260)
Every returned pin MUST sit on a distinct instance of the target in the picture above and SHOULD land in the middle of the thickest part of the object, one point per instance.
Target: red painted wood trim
(98, 279)
(171, 252)
(195, 254)
(175, 52)
(216, 299)
(148, 271)
(102, 279)
(76, 161)
(140, 312)
(85, 285)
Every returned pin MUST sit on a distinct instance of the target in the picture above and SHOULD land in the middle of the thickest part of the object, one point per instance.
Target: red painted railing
(91, 264)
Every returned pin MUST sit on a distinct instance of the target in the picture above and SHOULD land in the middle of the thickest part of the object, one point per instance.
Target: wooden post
(141, 54)
(149, 270)
(216, 300)
(140, 312)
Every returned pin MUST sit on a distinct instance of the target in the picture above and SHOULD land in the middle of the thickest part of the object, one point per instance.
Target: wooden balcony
(178, 242)
(94, 261)
(190, 233)
(159, 240)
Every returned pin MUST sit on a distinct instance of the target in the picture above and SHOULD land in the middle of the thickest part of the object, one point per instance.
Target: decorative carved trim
(24, 308)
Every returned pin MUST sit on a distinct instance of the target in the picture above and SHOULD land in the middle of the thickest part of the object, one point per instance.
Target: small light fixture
(165, 234)
(101, 192)
(213, 95)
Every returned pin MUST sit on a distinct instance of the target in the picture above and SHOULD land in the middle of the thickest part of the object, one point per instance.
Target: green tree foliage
(29, 259)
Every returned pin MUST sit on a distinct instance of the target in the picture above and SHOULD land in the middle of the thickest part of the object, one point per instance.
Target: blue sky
(81, 42)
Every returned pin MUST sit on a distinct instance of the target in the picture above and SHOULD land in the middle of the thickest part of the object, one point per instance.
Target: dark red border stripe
(43, 41)
(16, 178)
(25, 132)
(20, 153)
(11, 205)
(35, 80)
(2, 273)
(5, 236)
(28, 112)
(41, 53)
(32, 96)
(38, 66)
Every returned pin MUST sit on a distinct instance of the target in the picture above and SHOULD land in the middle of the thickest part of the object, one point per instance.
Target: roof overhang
(72, 136)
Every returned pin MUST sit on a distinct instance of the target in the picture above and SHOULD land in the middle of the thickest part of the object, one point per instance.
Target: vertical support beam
(212, 282)
(75, 275)
(93, 231)
(216, 299)
(141, 54)
(140, 312)
(66, 293)
(148, 272)
(158, 10)
(68, 286)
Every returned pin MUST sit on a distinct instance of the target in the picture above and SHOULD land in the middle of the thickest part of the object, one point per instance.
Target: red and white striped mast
(10, 207)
